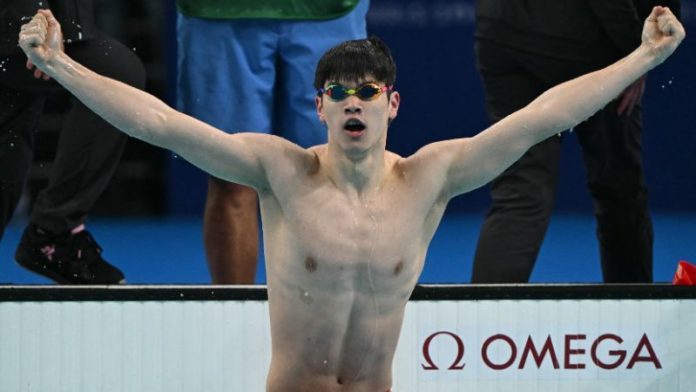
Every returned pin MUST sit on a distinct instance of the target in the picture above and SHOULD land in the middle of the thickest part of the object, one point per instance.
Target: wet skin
(338, 286)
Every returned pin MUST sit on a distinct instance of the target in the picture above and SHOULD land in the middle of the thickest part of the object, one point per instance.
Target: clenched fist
(41, 39)
(662, 33)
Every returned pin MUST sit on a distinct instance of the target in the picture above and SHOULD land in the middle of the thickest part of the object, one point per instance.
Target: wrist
(646, 57)
(649, 55)
(55, 63)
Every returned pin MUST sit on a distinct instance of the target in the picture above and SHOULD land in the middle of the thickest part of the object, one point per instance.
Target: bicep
(469, 163)
(237, 158)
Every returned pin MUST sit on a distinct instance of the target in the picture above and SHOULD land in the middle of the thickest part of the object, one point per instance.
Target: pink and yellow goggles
(367, 91)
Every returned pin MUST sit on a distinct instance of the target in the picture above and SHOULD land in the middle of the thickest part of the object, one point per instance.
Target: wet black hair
(355, 60)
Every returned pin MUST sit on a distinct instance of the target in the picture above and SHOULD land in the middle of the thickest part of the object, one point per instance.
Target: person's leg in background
(88, 152)
(89, 149)
(524, 194)
(231, 90)
(612, 152)
(19, 114)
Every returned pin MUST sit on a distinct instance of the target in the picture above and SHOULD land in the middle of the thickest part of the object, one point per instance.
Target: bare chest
(327, 239)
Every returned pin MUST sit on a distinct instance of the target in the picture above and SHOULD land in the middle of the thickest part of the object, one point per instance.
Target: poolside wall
(454, 339)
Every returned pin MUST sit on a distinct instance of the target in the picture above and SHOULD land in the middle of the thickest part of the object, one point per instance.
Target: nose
(352, 106)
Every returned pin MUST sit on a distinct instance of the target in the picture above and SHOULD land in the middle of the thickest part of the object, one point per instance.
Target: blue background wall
(442, 98)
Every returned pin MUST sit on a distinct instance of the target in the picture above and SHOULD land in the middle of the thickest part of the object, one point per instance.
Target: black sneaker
(66, 259)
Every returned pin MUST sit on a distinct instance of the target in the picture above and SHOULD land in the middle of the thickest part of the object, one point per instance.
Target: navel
(310, 264)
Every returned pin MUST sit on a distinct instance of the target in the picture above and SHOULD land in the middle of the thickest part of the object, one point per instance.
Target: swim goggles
(366, 92)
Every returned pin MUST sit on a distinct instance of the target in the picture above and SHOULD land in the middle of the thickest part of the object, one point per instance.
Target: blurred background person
(56, 244)
(522, 49)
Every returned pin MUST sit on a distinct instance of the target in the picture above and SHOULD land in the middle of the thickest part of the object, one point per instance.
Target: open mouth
(354, 127)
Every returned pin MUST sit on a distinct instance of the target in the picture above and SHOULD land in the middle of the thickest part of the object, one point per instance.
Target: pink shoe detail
(48, 251)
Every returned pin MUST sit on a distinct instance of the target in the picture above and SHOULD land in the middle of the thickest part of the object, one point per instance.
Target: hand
(662, 33)
(631, 96)
(41, 39)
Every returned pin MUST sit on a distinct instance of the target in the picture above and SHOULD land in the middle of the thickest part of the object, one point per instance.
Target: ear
(319, 103)
(394, 102)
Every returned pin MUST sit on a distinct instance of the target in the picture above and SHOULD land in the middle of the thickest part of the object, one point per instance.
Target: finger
(39, 20)
(30, 64)
(30, 28)
(27, 41)
(46, 77)
(50, 19)
(40, 17)
(657, 10)
(33, 32)
(666, 24)
(37, 73)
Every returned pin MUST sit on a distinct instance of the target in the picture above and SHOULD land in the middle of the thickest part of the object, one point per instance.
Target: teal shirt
(266, 9)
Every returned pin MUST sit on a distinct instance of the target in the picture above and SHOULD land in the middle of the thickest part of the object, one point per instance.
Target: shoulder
(291, 159)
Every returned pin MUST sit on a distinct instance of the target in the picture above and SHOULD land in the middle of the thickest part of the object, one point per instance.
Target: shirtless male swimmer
(346, 224)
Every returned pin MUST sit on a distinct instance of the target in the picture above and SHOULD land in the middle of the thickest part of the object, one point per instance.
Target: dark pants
(88, 149)
(523, 196)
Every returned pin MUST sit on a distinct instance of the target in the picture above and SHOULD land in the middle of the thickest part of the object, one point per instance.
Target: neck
(357, 171)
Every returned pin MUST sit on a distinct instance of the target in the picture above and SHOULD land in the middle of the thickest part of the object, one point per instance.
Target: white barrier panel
(134, 346)
(454, 345)
(549, 345)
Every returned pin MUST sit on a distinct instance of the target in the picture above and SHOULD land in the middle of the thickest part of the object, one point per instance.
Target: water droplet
(325, 362)
(68, 40)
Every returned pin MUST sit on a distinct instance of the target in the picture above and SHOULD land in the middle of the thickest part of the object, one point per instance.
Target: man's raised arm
(233, 158)
(474, 161)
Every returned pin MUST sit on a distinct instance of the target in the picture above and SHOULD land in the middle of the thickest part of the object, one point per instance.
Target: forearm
(572, 102)
(133, 111)
(556, 110)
